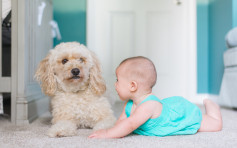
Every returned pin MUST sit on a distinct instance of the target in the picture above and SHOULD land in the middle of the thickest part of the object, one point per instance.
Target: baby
(145, 114)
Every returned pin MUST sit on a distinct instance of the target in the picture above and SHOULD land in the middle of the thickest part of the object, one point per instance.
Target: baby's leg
(212, 120)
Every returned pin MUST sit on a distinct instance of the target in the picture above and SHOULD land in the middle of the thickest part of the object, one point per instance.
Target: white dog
(71, 76)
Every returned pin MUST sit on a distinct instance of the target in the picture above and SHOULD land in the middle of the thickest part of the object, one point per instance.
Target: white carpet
(33, 136)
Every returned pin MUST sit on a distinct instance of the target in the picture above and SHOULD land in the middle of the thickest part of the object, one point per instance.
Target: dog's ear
(44, 75)
(96, 82)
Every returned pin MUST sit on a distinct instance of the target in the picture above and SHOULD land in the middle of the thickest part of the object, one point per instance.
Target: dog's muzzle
(75, 72)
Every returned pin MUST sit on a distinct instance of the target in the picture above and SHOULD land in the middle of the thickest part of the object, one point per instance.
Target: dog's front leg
(105, 123)
(63, 128)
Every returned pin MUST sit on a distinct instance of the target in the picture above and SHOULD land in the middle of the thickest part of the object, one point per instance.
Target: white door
(157, 29)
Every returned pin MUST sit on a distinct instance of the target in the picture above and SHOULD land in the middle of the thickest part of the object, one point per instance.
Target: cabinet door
(157, 29)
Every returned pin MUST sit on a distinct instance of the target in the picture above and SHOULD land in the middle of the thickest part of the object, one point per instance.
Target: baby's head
(139, 69)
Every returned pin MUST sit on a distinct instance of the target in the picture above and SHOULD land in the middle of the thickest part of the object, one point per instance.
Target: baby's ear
(96, 82)
(44, 75)
(133, 86)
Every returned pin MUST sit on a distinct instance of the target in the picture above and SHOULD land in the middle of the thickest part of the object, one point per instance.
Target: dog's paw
(105, 123)
(63, 129)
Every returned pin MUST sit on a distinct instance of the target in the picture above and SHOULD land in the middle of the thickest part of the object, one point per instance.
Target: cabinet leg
(1, 103)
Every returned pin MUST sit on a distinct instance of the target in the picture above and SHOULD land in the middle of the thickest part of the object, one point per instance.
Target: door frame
(191, 43)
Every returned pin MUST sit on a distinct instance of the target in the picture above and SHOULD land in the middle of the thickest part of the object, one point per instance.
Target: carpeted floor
(33, 136)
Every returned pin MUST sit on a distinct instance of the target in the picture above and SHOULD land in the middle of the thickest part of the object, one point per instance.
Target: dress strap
(128, 108)
(151, 97)
(129, 104)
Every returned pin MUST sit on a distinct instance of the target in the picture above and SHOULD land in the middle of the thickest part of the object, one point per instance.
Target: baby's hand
(99, 134)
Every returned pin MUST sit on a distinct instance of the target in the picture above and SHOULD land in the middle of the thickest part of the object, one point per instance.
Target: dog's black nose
(75, 71)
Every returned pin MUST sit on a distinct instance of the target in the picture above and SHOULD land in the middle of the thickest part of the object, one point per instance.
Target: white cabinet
(31, 41)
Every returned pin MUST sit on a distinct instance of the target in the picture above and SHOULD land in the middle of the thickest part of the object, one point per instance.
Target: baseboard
(198, 98)
(37, 108)
(30, 109)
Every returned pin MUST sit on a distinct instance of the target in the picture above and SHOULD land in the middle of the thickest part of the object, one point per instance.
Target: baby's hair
(142, 68)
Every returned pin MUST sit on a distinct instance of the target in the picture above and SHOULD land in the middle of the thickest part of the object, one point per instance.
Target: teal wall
(214, 19)
(71, 18)
(234, 17)
(202, 46)
(220, 22)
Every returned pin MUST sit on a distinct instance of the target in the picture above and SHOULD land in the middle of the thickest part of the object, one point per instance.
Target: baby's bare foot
(212, 109)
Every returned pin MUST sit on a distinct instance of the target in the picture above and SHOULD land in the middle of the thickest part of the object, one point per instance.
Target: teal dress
(178, 117)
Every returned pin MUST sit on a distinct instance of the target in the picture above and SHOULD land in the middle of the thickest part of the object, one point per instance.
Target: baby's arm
(127, 125)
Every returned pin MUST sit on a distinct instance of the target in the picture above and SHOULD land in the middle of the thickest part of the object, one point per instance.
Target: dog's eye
(81, 60)
(64, 61)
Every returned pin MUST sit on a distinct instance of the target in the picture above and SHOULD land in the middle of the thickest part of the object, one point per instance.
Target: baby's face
(122, 85)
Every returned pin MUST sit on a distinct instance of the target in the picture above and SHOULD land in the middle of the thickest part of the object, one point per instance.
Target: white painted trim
(90, 24)
(192, 49)
(198, 99)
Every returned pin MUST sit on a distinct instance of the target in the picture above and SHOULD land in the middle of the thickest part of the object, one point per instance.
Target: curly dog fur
(71, 75)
